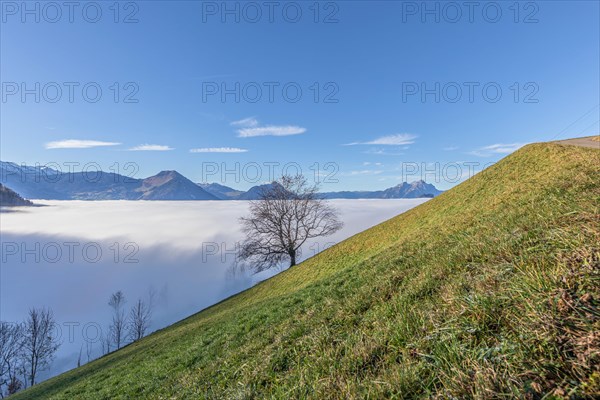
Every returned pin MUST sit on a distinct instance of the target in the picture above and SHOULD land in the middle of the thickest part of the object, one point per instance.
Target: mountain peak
(171, 185)
(169, 173)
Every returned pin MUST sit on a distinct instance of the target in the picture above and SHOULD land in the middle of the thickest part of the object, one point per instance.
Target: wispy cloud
(364, 172)
(451, 148)
(249, 122)
(271, 130)
(151, 147)
(250, 127)
(399, 139)
(78, 144)
(218, 150)
(382, 152)
(498, 148)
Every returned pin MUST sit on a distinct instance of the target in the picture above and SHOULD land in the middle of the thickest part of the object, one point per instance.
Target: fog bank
(71, 255)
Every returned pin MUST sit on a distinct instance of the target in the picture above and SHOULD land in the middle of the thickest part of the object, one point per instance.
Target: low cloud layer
(71, 255)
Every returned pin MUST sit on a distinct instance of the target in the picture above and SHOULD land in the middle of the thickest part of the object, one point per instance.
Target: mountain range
(50, 184)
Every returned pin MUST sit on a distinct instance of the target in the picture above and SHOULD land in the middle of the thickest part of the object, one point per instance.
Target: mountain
(9, 198)
(31, 182)
(489, 290)
(411, 190)
(404, 190)
(171, 185)
(256, 192)
(47, 183)
(220, 191)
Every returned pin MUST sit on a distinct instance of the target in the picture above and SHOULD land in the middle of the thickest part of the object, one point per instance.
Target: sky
(355, 95)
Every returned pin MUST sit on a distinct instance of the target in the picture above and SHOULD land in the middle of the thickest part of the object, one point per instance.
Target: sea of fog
(71, 255)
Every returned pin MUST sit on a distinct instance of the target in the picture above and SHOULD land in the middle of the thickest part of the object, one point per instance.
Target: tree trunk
(33, 370)
(292, 258)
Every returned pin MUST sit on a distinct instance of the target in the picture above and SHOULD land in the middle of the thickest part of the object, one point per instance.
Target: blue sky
(361, 118)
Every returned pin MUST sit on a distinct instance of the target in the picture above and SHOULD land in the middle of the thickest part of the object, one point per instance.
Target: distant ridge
(9, 198)
(221, 191)
(49, 184)
(416, 189)
(405, 190)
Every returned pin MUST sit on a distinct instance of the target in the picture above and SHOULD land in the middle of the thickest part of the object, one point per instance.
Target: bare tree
(140, 316)
(11, 347)
(288, 213)
(117, 328)
(139, 320)
(39, 342)
(105, 342)
(89, 346)
(79, 358)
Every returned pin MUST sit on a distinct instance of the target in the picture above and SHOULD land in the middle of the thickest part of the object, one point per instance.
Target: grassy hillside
(490, 290)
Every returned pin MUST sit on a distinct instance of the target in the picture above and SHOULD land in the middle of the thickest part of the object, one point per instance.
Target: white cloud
(390, 140)
(450, 148)
(364, 172)
(271, 130)
(249, 127)
(246, 122)
(151, 147)
(382, 152)
(218, 150)
(78, 144)
(498, 148)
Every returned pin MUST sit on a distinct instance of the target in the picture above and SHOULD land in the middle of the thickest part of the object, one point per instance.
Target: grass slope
(490, 290)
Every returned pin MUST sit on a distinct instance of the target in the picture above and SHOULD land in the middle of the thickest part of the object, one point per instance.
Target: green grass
(490, 290)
